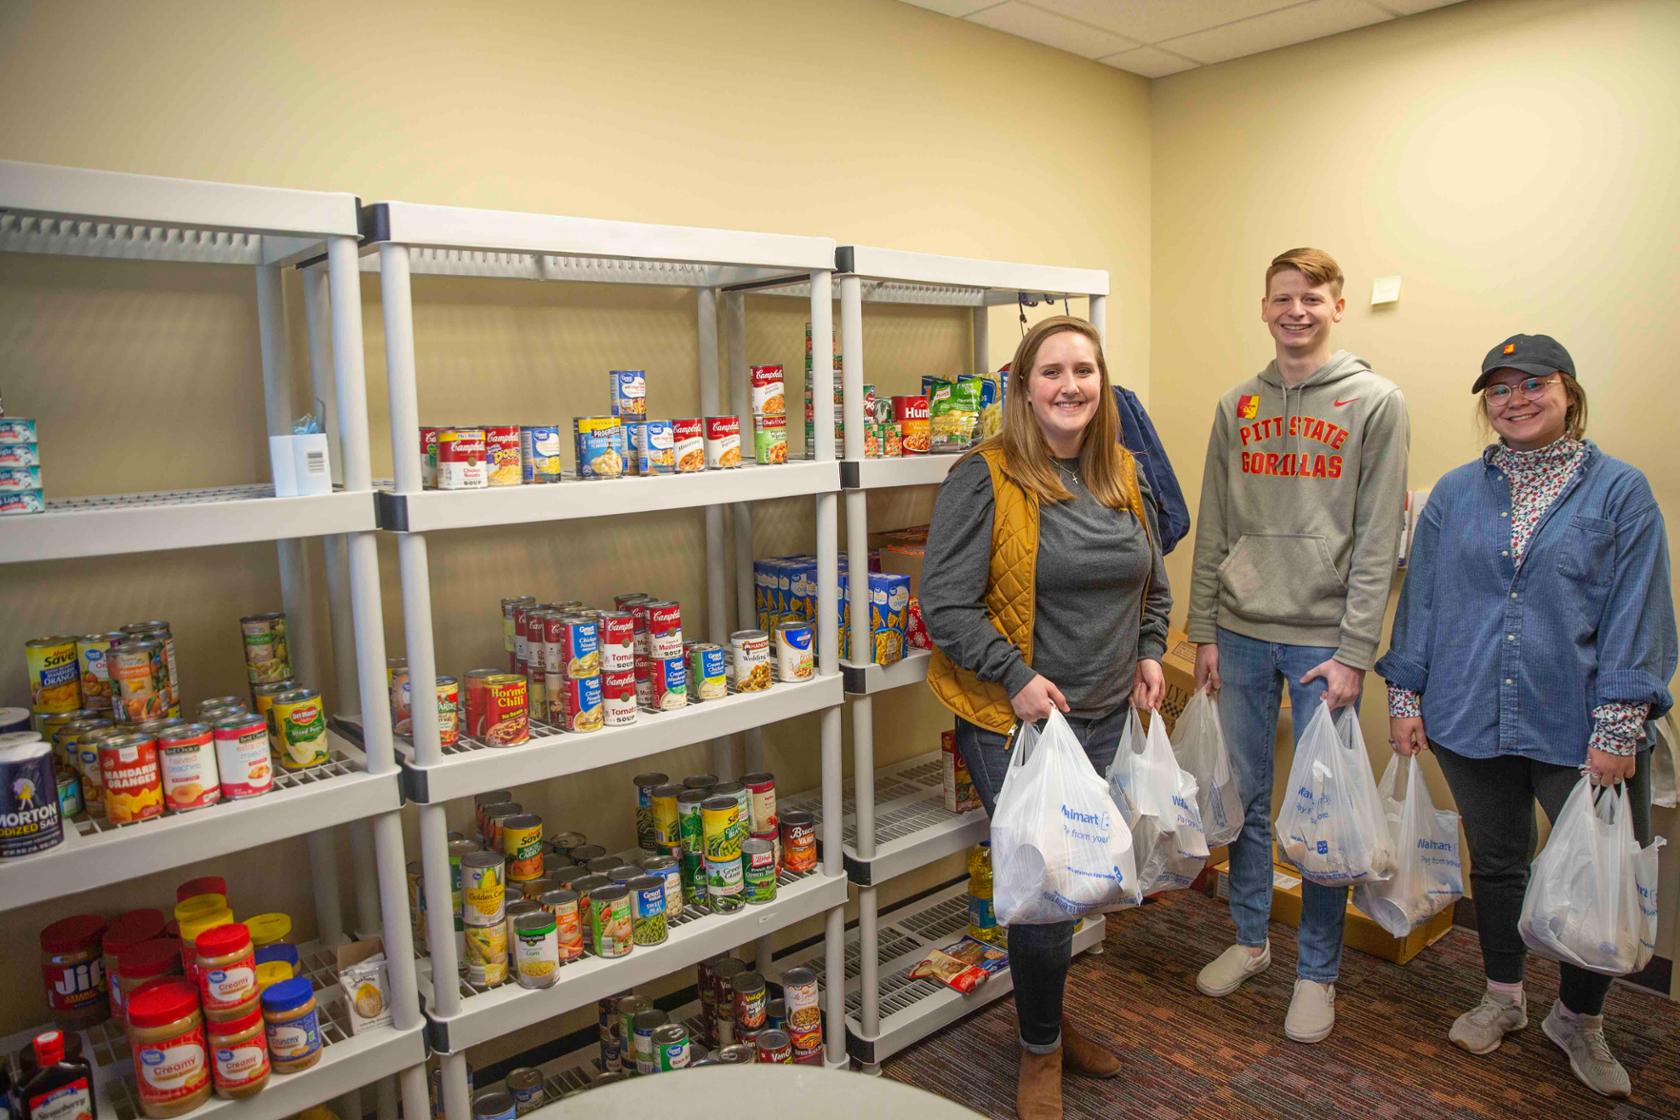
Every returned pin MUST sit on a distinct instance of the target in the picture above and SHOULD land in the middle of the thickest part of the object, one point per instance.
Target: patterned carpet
(1193, 1057)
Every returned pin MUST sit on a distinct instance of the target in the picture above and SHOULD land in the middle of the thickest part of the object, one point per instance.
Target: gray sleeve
(1212, 540)
(1376, 530)
(954, 573)
(1157, 603)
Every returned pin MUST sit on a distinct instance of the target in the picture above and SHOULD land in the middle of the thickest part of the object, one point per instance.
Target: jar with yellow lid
(270, 929)
(294, 1030)
(199, 904)
(191, 929)
(272, 973)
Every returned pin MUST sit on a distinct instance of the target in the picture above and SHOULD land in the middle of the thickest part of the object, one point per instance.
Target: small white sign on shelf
(300, 465)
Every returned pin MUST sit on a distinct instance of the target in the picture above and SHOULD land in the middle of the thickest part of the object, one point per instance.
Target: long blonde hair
(1026, 456)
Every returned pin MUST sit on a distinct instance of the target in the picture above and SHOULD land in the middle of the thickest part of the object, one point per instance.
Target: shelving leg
(457, 1095)
(1099, 316)
(324, 885)
(385, 1099)
(364, 877)
(982, 323)
(416, 1094)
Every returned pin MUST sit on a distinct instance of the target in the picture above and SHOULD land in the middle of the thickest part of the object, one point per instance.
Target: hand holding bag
(1332, 826)
(1199, 742)
(1429, 873)
(1158, 799)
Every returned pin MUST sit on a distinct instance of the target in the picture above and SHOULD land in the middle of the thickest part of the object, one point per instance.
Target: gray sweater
(1092, 560)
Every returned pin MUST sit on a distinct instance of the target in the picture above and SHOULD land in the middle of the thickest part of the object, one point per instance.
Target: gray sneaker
(1481, 1029)
(1589, 1054)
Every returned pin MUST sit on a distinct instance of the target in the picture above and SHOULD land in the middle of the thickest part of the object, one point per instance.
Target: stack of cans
(20, 467)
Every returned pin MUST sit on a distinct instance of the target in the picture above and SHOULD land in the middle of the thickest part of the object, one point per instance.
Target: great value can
(573, 645)
(688, 438)
(618, 699)
(581, 704)
(128, 767)
(462, 463)
(187, 755)
(794, 659)
(632, 444)
(29, 812)
(54, 675)
(93, 653)
(707, 673)
(670, 684)
(670, 1048)
(750, 660)
(502, 455)
(627, 390)
(656, 448)
(669, 871)
(539, 453)
(650, 924)
(300, 718)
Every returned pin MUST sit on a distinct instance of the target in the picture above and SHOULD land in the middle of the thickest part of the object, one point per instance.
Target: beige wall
(1507, 158)
(870, 121)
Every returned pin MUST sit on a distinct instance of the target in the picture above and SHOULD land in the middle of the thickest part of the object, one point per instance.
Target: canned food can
(627, 390)
(568, 925)
(508, 606)
(539, 453)
(758, 869)
(645, 785)
(667, 870)
(578, 647)
(774, 1046)
(495, 820)
(139, 681)
(525, 1086)
(611, 927)
(751, 996)
(800, 993)
(667, 828)
(633, 462)
(799, 841)
(775, 1017)
(128, 769)
(664, 628)
(536, 949)
(462, 459)
(690, 830)
(616, 634)
(301, 720)
(618, 699)
(600, 446)
(402, 698)
(429, 458)
(268, 652)
(262, 703)
(723, 442)
(692, 868)
(187, 758)
(492, 1105)
(807, 1045)
(794, 658)
(93, 653)
(483, 889)
(761, 796)
(707, 672)
(911, 416)
(650, 922)
(581, 703)
(750, 660)
(497, 713)
(29, 804)
(243, 764)
(669, 684)
(564, 843)
(448, 711)
(736, 1055)
(688, 437)
(770, 441)
(774, 839)
(768, 396)
(486, 954)
(522, 843)
(502, 455)
(643, 674)
(655, 448)
(670, 1048)
(642, 1029)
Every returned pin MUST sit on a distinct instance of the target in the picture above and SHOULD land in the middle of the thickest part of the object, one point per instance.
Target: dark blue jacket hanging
(1138, 436)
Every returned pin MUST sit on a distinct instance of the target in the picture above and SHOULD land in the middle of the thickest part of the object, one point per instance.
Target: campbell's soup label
(689, 438)
(502, 456)
(768, 396)
(723, 442)
(461, 459)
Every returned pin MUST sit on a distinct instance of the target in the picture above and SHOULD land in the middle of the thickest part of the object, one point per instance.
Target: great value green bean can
(647, 894)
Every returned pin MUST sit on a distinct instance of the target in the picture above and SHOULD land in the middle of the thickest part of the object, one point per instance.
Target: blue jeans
(1252, 674)
(1038, 955)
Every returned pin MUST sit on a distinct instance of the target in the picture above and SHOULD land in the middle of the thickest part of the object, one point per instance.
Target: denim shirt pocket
(1586, 563)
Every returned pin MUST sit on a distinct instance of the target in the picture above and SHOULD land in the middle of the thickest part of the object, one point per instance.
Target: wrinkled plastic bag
(1060, 848)
(1158, 800)
(1199, 742)
(1592, 891)
(1332, 826)
(1429, 866)
(1665, 764)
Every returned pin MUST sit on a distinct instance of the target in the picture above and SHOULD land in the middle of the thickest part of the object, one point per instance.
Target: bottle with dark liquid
(61, 1088)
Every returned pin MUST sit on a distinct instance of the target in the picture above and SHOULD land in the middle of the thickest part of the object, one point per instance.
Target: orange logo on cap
(1510, 348)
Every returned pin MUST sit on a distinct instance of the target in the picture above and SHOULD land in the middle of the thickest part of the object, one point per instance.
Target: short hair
(1315, 264)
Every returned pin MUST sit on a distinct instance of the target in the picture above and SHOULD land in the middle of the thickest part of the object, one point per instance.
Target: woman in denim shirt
(1534, 639)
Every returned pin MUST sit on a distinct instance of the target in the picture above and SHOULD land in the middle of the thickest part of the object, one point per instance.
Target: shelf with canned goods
(487, 1013)
(433, 510)
(347, 1060)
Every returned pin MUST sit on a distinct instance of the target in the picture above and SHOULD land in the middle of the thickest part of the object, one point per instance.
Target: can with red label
(242, 757)
(502, 456)
(128, 769)
(761, 790)
(723, 442)
(618, 698)
(187, 756)
(664, 625)
(768, 396)
(448, 711)
(522, 655)
(429, 457)
(639, 622)
(915, 432)
(688, 439)
(799, 841)
(497, 715)
(461, 459)
(617, 633)
(644, 682)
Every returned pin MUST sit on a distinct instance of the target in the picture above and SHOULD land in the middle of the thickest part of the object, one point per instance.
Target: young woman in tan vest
(1043, 587)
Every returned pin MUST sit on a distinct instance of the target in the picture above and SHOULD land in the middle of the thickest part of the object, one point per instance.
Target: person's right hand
(1207, 666)
(1405, 735)
(1037, 699)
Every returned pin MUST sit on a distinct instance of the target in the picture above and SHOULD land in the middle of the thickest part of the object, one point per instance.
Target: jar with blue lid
(293, 1025)
(286, 954)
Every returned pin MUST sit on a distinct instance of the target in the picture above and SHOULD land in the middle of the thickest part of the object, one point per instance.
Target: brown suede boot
(1038, 1091)
(1081, 1055)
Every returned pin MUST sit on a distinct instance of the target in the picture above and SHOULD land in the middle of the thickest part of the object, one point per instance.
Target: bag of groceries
(1429, 871)
(1060, 849)
(1592, 891)
(1332, 825)
(1199, 741)
(1158, 799)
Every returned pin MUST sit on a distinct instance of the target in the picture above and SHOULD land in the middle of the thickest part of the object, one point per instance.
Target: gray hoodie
(1302, 499)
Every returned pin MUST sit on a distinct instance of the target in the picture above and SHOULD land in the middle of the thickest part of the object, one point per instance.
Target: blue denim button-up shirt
(1511, 659)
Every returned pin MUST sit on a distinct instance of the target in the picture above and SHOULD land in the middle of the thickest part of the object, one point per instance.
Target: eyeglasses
(1530, 387)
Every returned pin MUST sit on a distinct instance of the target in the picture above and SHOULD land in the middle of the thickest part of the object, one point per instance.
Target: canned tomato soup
(616, 633)
(723, 442)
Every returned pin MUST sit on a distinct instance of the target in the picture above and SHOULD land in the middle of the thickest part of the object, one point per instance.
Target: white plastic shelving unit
(79, 212)
(402, 239)
(908, 826)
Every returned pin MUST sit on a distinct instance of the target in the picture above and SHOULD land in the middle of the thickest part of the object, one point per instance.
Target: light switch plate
(1385, 289)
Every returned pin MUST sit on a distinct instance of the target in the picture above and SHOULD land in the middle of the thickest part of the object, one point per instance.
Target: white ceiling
(1155, 38)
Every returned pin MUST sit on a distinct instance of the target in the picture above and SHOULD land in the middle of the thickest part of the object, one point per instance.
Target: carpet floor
(1188, 1056)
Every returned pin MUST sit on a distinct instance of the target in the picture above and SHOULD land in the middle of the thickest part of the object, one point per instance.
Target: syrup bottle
(61, 1089)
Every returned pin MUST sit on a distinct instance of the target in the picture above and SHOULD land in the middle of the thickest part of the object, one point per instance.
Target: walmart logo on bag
(1100, 820)
(1322, 847)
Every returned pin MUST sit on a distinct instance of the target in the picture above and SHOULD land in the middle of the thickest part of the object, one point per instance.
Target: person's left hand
(1605, 769)
(1149, 686)
(1342, 683)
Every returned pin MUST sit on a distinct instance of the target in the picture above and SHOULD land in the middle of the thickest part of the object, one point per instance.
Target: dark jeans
(1038, 955)
(1496, 798)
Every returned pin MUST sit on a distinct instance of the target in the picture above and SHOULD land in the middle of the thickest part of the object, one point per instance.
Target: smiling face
(1526, 423)
(1063, 390)
(1299, 313)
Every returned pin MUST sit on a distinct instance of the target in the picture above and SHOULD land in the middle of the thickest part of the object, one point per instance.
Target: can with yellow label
(300, 723)
(55, 677)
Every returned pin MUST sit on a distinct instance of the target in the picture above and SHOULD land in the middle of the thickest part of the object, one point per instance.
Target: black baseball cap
(1538, 354)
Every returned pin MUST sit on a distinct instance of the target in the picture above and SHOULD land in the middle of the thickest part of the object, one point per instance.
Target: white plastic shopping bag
(1429, 870)
(1332, 826)
(1158, 800)
(1060, 849)
(1199, 742)
(1592, 891)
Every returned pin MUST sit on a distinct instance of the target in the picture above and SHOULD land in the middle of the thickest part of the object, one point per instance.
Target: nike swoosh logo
(1339, 404)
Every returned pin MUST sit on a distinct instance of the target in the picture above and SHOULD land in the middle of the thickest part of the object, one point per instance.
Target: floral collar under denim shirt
(1532, 482)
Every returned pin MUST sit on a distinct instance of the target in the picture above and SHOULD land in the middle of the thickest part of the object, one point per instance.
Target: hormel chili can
(496, 709)
(664, 629)
(461, 462)
(723, 442)
(618, 698)
(502, 456)
(616, 631)
(429, 457)
(911, 414)
(689, 440)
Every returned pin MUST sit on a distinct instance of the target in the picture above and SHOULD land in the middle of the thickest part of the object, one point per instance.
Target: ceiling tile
(958, 8)
(1150, 21)
(1413, 7)
(1298, 24)
(1052, 30)
(1149, 62)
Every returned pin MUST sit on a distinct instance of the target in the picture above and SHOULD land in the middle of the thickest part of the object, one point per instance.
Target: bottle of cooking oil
(982, 920)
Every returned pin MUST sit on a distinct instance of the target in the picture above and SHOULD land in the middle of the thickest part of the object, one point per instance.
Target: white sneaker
(1312, 1012)
(1226, 972)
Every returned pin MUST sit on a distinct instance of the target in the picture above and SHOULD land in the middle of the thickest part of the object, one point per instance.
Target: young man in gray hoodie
(1296, 542)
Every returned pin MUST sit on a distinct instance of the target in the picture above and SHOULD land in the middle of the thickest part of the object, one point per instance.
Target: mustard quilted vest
(1009, 594)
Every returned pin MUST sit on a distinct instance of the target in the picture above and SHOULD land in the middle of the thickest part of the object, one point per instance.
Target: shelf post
(740, 517)
(717, 552)
(1099, 317)
(982, 324)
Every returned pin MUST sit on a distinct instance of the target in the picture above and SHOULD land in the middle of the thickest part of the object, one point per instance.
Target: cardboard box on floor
(1360, 932)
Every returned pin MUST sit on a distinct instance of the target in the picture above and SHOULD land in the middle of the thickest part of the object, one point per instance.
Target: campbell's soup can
(768, 396)
(616, 632)
(300, 719)
(689, 442)
(644, 682)
(501, 455)
(187, 756)
(461, 459)
(664, 623)
(911, 415)
(723, 442)
(243, 763)
(429, 458)
(509, 607)
(448, 711)
(618, 698)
